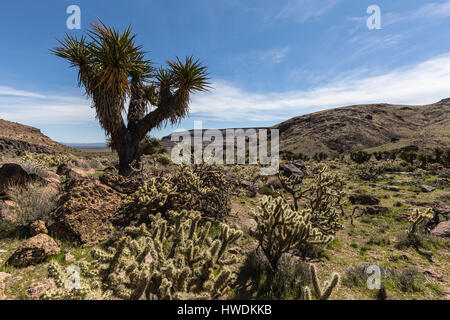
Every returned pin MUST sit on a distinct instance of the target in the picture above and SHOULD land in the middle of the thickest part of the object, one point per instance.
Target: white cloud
(28, 107)
(8, 91)
(304, 10)
(275, 55)
(423, 83)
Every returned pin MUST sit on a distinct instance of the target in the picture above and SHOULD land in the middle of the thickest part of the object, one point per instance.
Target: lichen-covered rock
(34, 250)
(38, 227)
(374, 210)
(35, 291)
(364, 199)
(120, 184)
(75, 170)
(84, 211)
(391, 188)
(291, 169)
(427, 188)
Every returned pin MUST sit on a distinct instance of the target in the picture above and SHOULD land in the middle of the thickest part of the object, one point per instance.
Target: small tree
(360, 157)
(112, 68)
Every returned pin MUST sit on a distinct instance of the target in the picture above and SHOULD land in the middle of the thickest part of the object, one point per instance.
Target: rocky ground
(76, 202)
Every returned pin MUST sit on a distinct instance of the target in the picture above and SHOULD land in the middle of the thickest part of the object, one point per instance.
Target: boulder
(442, 229)
(274, 181)
(251, 187)
(13, 174)
(68, 257)
(81, 163)
(427, 188)
(77, 173)
(35, 291)
(72, 171)
(290, 169)
(34, 250)
(84, 211)
(374, 210)
(38, 227)
(364, 199)
(391, 188)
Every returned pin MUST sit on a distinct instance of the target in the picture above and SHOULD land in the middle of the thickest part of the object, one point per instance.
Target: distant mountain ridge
(16, 139)
(370, 127)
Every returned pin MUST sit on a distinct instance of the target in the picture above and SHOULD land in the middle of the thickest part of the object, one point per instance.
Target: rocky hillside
(372, 127)
(16, 138)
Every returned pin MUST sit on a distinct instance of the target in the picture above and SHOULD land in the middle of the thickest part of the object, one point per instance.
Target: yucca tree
(113, 70)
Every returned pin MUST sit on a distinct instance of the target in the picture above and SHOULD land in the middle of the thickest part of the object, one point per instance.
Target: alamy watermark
(73, 279)
(74, 19)
(227, 146)
(374, 21)
(374, 277)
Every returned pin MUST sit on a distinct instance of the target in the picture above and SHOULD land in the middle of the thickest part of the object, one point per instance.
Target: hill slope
(373, 127)
(16, 138)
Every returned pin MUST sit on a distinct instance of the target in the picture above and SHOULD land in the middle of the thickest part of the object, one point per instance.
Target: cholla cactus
(203, 189)
(169, 261)
(293, 185)
(62, 292)
(281, 229)
(417, 218)
(45, 159)
(321, 293)
(322, 199)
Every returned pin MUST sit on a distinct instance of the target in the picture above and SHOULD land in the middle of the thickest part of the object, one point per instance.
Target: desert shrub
(292, 279)
(267, 191)
(369, 171)
(281, 229)
(404, 280)
(163, 159)
(408, 156)
(52, 160)
(289, 156)
(320, 156)
(445, 160)
(360, 156)
(151, 146)
(35, 169)
(379, 241)
(35, 201)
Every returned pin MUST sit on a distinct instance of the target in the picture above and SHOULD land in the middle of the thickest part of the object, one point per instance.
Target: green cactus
(281, 229)
(321, 293)
(202, 189)
(417, 218)
(178, 260)
(62, 292)
(44, 159)
(323, 198)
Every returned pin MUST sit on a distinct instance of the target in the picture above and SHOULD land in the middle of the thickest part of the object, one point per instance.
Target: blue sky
(268, 60)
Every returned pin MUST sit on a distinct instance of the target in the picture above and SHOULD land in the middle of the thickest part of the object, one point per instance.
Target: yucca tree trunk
(128, 153)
